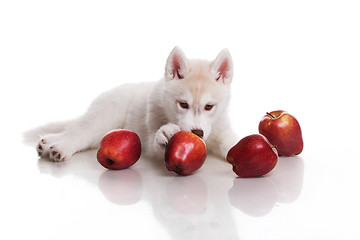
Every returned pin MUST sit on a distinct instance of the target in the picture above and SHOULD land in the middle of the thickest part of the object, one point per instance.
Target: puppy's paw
(43, 148)
(57, 154)
(164, 134)
(55, 147)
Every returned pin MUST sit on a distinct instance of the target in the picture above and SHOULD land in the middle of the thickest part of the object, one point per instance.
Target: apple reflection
(122, 187)
(187, 195)
(253, 196)
(288, 178)
(257, 196)
(193, 207)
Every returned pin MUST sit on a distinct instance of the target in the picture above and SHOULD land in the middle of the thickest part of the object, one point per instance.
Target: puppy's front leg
(164, 134)
(220, 142)
(160, 139)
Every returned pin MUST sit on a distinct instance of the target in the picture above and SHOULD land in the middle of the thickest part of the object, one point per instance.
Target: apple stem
(272, 116)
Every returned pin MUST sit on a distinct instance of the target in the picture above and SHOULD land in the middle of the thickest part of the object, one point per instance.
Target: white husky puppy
(192, 96)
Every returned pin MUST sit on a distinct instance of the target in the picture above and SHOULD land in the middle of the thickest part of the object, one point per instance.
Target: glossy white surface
(304, 58)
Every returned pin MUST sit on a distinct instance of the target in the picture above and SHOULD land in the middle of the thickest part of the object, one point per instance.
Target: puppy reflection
(191, 208)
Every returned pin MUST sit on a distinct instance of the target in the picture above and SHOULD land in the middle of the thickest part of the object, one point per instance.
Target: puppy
(193, 96)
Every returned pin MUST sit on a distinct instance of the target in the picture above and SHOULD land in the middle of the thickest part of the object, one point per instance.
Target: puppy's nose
(198, 132)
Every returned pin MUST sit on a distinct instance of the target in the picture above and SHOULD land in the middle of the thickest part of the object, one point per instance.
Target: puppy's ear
(222, 67)
(176, 65)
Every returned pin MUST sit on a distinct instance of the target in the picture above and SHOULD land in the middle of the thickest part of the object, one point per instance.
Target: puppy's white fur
(193, 95)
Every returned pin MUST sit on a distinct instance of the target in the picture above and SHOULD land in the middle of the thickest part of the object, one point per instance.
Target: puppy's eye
(184, 105)
(208, 107)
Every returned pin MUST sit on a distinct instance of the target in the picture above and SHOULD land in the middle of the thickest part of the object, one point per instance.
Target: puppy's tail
(33, 136)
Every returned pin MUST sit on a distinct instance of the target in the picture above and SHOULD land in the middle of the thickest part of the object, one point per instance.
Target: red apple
(252, 156)
(185, 153)
(282, 130)
(119, 149)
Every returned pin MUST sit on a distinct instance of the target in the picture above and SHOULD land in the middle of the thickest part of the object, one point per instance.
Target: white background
(301, 56)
